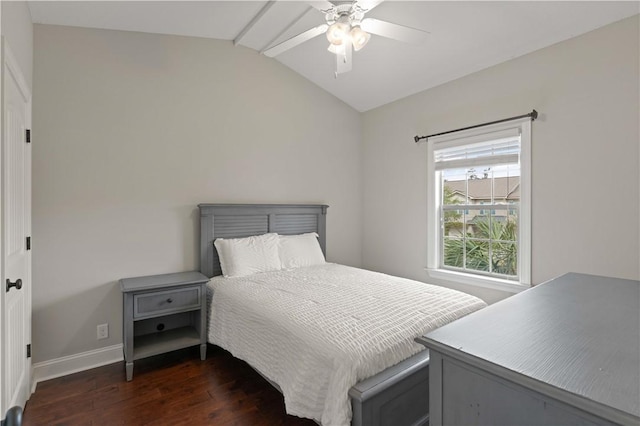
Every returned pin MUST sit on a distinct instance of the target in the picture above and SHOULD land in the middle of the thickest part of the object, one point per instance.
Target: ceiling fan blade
(367, 5)
(296, 40)
(394, 31)
(321, 5)
(343, 61)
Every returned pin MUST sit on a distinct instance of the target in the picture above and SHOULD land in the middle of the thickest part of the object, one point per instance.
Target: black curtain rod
(533, 115)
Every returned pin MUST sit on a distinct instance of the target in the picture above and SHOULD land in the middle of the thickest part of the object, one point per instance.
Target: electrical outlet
(103, 331)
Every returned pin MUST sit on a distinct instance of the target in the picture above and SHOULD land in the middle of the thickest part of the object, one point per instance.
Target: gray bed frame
(396, 396)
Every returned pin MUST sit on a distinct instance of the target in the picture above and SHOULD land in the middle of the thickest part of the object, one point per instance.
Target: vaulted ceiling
(464, 36)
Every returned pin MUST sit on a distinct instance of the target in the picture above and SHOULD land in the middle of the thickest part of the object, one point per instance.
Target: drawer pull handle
(169, 300)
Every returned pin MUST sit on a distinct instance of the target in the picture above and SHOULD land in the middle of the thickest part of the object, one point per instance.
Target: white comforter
(317, 331)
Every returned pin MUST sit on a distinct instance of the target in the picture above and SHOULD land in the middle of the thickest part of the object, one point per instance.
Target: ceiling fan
(347, 29)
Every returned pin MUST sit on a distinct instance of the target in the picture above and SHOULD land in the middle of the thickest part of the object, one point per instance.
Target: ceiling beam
(295, 21)
(253, 22)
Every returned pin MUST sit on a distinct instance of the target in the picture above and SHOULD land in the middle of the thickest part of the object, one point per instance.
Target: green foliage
(451, 217)
(503, 257)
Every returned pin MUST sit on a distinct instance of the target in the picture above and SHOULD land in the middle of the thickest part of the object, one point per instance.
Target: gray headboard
(244, 220)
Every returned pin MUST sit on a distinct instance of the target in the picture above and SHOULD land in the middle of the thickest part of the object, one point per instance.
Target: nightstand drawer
(162, 302)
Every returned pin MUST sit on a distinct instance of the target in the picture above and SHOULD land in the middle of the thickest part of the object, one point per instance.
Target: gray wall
(585, 154)
(134, 130)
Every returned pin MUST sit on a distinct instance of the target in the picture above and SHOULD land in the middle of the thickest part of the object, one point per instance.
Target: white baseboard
(74, 363)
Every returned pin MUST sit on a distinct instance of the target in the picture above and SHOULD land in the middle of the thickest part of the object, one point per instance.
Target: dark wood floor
(171, 389)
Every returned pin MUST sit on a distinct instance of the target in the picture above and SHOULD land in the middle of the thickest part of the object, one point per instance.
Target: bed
(336, 365)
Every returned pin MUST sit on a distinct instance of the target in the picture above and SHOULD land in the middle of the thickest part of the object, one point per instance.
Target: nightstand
(163, 313)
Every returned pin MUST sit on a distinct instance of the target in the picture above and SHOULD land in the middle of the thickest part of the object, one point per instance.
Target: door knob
(17, 284)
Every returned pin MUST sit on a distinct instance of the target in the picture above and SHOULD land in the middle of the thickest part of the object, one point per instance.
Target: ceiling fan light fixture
(337, 49)
(347, 30)
(337, 32)
(359, 37)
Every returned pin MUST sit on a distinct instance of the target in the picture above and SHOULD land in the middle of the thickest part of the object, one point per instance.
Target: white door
(16, 227)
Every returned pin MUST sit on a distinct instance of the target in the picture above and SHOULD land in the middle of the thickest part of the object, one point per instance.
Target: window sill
(478, 281)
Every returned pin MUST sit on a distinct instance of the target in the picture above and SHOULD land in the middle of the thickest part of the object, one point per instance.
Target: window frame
(434, 237)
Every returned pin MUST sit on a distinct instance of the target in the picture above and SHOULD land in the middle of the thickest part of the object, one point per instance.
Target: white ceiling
(465, 36)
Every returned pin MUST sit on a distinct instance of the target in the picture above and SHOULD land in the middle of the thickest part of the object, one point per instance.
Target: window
(479, 205)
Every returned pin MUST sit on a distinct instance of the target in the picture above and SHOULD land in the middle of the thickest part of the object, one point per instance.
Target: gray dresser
(565, 352)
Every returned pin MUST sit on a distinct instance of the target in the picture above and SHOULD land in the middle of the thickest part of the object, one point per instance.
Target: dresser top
(160, 281)
(577, 336)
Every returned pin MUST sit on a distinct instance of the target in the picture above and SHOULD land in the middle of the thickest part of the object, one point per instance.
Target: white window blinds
(502, 147)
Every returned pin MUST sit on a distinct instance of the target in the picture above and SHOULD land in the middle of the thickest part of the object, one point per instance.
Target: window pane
(454, 186)
(504, 258)
(477, 223)
(513, 218)
(478, 238)
(506, 184)
(453, 252)
(453, 223)
(477, 254)
(504, 227)
(479, 186)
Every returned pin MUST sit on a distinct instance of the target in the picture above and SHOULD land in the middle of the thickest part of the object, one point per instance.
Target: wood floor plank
(171, 389)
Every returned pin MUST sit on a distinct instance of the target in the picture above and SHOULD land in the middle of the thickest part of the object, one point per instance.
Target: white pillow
(300, 250)
(245, 256)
